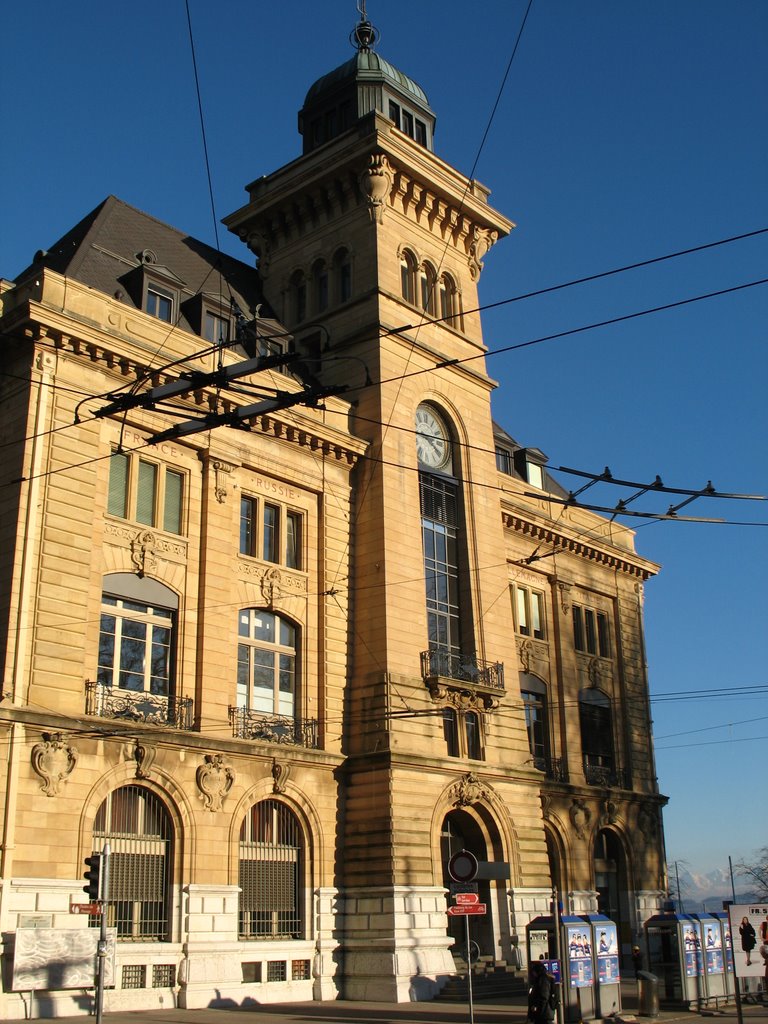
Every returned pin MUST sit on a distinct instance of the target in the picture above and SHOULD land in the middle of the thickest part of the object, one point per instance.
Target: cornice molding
(637, 568)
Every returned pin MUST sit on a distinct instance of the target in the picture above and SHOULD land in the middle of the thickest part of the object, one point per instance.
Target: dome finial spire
(364, 36)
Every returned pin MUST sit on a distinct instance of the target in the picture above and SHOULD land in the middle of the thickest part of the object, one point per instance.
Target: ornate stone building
(285, 662)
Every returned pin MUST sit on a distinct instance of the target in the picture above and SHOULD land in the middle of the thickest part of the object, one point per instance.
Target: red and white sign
(467, 899)
(475, 908)
(85, 908)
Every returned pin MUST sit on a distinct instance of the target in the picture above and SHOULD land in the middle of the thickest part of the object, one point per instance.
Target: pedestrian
(540, 995)
(637, 960)
(748, 938)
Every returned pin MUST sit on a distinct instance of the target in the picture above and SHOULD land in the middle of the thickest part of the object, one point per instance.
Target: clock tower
(370, 248)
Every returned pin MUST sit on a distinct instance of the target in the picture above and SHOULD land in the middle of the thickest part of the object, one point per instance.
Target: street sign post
(467, 899)
(477, 908)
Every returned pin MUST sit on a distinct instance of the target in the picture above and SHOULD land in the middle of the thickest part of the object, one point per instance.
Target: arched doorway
(611, 883)
(463, 830)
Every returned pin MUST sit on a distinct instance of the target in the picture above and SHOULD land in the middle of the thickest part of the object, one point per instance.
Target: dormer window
(529, 463)
(159, 303)
(215, 328)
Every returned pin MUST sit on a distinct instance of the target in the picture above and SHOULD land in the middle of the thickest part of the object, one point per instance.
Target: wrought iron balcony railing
(465, 668)
(606, 775)
(553, 767)
(146, 708)
(253, 725)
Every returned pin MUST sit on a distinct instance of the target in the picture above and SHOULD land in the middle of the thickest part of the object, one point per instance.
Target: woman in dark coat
(748, 938)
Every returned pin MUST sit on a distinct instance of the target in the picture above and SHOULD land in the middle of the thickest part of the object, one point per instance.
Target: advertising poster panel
(694, 958)
(580, 956)
(607, 954)
(749, 929)
(713, 947)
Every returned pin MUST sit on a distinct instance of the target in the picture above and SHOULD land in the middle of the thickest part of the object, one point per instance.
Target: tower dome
(366, 82)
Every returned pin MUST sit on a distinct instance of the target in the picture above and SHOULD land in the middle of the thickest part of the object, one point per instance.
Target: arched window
(136, 640)
(271, 875)
(266, 663)
(342, 274)
(138, 829)
(596, 721)
(427, 287)
(320, 286)
(448, 301)
(408, 276)
(298, 296)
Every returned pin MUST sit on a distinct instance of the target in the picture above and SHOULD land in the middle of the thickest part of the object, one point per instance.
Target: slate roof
(107, 245)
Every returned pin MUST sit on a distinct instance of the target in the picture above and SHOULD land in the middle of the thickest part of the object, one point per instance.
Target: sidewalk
(511, 1010)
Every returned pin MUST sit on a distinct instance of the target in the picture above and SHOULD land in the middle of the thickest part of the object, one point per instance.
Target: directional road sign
(476, 908)
(85, 908)
(467, 899)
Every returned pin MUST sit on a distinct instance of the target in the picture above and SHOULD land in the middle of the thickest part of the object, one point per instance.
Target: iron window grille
(271, 874)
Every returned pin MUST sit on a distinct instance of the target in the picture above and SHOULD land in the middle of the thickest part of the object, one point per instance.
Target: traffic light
(92, 875)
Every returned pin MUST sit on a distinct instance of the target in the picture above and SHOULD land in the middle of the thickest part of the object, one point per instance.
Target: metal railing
(606, 775)
(129, 706)
(553, 767)
(463, 667)
(253, 725)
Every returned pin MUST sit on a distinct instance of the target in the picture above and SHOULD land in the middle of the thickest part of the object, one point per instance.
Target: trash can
(647, 994)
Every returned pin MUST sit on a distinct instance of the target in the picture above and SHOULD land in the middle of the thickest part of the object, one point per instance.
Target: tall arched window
(427, 287)
(298, 292)
(266, 663)
(138, 829)
(408, 276)
(342, 274)
(448, 300)
(319, 286)
(271, 875)
(596, 720)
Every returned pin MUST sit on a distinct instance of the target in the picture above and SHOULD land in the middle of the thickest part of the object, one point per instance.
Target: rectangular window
(451, 732)
(293, 540)
(591, 632)
(146, 492)
(421, 132)
(529, 612)
(215, 328)
(394, 113)
(271, 546)
(174, 490)
(408, 123)
(251, 971)
(248, 526)
(474, 746)
(117, 501)
(160, 304)
(276, 970)
(504, 462)
(300, 970)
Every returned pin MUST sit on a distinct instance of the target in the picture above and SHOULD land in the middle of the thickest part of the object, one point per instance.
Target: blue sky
(625, 131)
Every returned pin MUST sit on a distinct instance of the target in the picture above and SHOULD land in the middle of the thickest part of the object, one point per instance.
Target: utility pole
(101, 947)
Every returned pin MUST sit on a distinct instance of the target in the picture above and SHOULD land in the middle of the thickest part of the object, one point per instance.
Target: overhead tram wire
(201, 353)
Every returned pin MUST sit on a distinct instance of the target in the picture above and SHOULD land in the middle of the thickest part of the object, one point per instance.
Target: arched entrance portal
(612, 884)
(463, 830)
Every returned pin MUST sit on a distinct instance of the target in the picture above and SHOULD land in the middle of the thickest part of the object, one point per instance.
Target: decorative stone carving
(214, 780)
(524, 653)
(580, 816)
(272, 586)
(648, 821)
(54, 761)
(280, 772)
(482, 240)
(610, 812)
(593, 671)
(546, 806)
(376, 182)
(565, 596)
(144, 756)
(469, 790)
(462, 699)
(221, 483)
(261, 247)
(143, 552)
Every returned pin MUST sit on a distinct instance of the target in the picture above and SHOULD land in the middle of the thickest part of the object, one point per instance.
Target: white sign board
(749, 935)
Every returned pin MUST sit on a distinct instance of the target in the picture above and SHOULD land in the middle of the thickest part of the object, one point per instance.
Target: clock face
(432, 445)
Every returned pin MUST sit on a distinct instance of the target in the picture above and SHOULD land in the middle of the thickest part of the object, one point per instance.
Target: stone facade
(301, 852)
